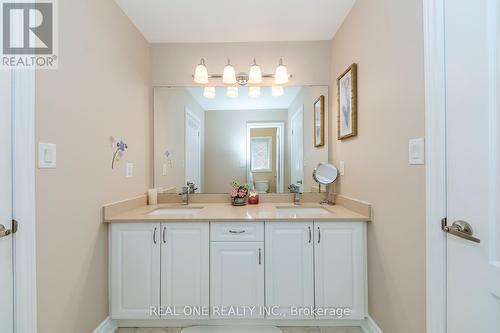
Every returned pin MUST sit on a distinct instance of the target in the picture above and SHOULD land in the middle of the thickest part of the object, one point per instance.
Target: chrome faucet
(185, 195)
(297, 193)
(191, 187)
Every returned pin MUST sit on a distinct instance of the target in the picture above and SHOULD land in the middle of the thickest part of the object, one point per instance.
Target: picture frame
(319, 121)
(347, 117)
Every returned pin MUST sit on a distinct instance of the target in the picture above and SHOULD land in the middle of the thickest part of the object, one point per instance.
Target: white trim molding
(370, 326)
(107, 326)
(25, 295)
(435, 134)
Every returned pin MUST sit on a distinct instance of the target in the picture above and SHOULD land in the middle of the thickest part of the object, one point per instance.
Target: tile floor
(283, 329)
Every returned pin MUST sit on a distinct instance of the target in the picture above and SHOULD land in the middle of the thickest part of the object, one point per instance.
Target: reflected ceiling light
(232, 92)
(209, 92)
(229, 75)
(277, 91)
(255, 75)
(201, 73)
(281, 75)
(254, 92)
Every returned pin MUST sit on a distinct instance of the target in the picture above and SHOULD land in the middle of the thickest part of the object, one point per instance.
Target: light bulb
(281, 75)
(254, 91)
(201, 73)
(255, 75)
(229, 75)
(277, 91)
(232, 92)
(209, 92)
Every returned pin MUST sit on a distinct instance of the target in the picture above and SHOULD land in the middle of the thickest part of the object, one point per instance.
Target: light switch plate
(129, 170)
(416, 151)
(342, 168)
(47, 155)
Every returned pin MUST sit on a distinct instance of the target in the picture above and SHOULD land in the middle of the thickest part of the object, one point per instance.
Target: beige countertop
(227, 212)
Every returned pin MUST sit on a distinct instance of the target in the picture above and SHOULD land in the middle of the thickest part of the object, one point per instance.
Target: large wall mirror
(268, 140)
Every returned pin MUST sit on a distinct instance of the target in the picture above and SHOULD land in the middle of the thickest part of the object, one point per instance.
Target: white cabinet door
(185, 269)
(135, 269)
(340, 268)
(237, 279)
(289, 268)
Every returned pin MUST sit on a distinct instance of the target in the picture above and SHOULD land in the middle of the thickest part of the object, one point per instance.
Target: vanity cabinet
(135, 269)
(158, 264)
(184, 266)
(289, 267)
(340, 267)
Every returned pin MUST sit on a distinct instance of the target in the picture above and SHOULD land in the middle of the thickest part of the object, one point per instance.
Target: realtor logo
(29, 34)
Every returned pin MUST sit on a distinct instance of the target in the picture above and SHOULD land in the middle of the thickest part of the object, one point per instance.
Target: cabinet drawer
(233, 231)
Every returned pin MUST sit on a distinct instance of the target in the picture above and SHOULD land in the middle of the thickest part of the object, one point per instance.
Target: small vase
(239, 201)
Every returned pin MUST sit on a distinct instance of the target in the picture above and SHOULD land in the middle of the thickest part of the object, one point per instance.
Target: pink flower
(242, 193)
(234, 193)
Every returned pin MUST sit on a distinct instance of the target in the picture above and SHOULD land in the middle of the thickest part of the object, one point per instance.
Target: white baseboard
(370, 326)
(107, 326)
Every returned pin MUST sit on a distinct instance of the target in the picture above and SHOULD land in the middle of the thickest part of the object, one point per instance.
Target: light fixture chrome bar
(219, 76)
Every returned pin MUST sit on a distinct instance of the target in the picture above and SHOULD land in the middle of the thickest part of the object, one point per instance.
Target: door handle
(319, 235)
(460, 229)
(260, 256)
(310, 234)
(237, 231)
(4, 232)
(154, 236)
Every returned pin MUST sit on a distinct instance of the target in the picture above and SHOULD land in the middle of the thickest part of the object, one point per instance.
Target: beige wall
(309, 62)
(384, 37)
(169, 134)
(101, 89)
(312, 155)
(269, 176)
(225, 145)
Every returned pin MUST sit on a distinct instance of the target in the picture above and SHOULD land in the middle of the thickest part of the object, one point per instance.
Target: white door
(6, 271)
(289, 267)
(340, 265)
(193, 149)
(237, 278)
(185, 268)
(472, 43)
(297, 148)
(135, 270)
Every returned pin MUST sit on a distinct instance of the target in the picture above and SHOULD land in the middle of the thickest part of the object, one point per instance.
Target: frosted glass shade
(232, 92)
(281, 74)
(255, 75)
(254, 92)
(209, 92)
(229, 75)
(201, 73)
(277, 91)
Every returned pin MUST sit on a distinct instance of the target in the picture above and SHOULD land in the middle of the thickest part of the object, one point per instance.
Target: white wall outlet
(47, 155)
(342, 168)
(164, 170)
(129, 170)
(416, 151)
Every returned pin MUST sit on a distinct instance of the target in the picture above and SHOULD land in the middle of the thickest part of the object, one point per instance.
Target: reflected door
(297, 147)
(6, 268)
(473, 168)
(193, 149)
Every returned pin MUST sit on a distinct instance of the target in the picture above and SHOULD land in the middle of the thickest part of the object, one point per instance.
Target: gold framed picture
(347, 119)
(319, 122)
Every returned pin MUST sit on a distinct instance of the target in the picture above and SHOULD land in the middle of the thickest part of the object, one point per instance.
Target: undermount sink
(303, 210)
(176, 211)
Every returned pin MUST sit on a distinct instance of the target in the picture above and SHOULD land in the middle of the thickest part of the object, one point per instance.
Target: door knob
(460, 229)
(3, 231)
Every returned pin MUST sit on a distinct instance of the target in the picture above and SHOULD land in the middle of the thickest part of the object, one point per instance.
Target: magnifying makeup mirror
(325, 174)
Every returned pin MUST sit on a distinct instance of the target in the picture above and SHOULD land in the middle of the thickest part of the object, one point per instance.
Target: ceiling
(243, 101)
(213, 21)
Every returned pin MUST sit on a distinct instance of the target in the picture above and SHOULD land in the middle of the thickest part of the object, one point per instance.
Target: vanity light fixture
(232, 92)
(255, 75)
(201, 73)
(209, 92)
(277, 91)
(254, 91)
(229, 75)
(281, 75)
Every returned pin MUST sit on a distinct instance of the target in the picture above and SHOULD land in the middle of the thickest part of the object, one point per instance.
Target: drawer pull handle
(237, 231)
